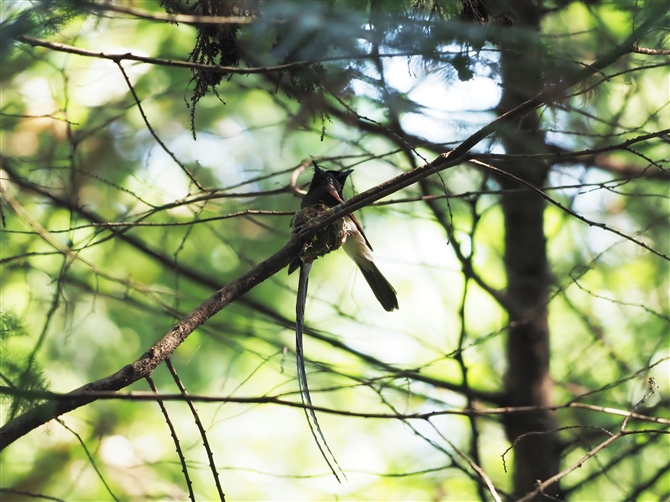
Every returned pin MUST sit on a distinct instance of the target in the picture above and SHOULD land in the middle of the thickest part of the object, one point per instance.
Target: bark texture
(527, 381)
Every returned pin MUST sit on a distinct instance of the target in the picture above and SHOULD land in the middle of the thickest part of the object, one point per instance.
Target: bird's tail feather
(381, 287)
(302, 375)
(359, 250)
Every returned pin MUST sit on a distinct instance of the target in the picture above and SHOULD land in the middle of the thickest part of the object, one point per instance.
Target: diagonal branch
(163, 348)
(208, 281)
(159, 352)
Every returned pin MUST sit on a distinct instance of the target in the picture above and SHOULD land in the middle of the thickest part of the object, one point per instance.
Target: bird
(326, 191)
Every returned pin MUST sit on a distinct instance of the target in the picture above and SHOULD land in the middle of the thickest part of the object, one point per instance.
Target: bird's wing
(351, 216)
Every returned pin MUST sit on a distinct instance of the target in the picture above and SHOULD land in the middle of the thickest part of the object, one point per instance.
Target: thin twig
(293, 183)
(592, 223)
(173, 18)
(471, 463)
(557, 156)
(162, 349)
(90, 458)
(153, 133)
(36, 42)
(198, 423)
(71, 254)
(622, 432)
(23, 493)
(177, 444)
(112, 224)
(482, 412)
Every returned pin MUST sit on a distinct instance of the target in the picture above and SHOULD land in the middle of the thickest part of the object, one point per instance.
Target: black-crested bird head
(326, 187)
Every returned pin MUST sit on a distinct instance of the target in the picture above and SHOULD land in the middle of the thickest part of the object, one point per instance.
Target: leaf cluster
(19, 369)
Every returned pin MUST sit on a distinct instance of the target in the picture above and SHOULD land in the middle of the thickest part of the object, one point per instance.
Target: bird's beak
(332, 191)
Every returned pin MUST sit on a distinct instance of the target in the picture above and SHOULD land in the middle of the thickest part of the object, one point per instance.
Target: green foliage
(19, 372)
(110, 229)
(42, 18)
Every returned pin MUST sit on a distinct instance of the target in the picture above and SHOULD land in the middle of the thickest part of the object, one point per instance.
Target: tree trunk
(527, 381)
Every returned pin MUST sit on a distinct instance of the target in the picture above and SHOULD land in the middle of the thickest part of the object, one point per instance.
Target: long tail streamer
(302, 375)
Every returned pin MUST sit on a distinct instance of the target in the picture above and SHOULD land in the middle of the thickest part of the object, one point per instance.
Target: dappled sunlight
(507, 167)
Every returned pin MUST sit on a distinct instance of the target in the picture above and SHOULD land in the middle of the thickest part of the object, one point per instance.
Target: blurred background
(134, 187)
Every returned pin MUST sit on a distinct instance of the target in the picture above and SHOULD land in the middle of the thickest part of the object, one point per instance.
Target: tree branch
(36, 42)
(162, 349)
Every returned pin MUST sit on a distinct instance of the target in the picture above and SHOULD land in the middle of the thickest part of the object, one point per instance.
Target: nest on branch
(323, 242)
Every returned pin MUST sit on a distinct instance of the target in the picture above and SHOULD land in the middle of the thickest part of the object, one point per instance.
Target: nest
(329, 239)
